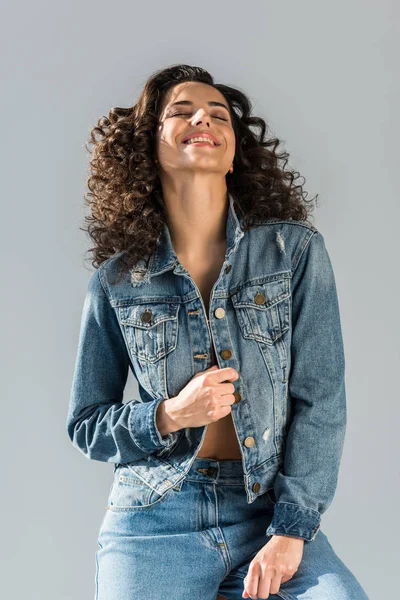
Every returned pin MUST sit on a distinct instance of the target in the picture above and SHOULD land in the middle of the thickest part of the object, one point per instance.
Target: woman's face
(197, 114)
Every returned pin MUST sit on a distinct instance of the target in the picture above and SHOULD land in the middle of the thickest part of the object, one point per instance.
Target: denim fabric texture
(282, 326)
(198, 539)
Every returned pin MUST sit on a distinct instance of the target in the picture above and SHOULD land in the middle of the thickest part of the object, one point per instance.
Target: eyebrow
(190, 103)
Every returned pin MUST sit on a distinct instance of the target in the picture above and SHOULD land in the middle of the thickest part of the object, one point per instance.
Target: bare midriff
(220, 442)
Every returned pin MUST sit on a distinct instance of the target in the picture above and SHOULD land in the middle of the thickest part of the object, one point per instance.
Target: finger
(226, 399)
(252, 587)
(275, 584)
(263, 588)
(224, 374)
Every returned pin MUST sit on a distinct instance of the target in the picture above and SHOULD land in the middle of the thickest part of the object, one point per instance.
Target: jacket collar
(164, 257)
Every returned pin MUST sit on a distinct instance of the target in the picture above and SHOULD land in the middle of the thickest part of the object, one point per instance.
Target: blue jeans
(198, 540)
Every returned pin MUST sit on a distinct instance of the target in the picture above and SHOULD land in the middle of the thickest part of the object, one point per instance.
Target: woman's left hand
(274, 564)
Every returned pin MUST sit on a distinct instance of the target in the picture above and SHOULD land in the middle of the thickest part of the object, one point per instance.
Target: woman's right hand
(206, 398)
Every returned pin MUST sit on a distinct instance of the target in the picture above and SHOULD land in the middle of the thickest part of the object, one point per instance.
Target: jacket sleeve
(98, 423)
(306, 485)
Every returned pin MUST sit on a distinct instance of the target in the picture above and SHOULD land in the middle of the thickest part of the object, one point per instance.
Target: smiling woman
(127, 191)
(219, 295)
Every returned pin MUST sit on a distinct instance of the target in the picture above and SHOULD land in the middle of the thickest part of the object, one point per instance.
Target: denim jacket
(273, 316)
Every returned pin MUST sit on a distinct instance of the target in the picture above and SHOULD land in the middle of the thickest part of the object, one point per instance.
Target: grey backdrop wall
(323, 75)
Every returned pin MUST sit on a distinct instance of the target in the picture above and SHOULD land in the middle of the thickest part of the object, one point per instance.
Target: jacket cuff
(143, 428)
(294, 521)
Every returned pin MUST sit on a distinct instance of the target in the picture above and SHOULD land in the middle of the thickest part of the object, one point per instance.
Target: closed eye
(186, 115)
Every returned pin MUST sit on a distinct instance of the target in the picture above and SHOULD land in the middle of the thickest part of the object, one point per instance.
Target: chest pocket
(263, 310)
(151, 329)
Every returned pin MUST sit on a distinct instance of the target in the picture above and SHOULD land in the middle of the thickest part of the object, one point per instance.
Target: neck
(196, 218)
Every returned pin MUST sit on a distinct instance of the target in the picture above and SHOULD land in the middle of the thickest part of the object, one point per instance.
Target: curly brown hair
(125, 196)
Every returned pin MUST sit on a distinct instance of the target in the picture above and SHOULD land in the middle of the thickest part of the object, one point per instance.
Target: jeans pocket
(132, 494)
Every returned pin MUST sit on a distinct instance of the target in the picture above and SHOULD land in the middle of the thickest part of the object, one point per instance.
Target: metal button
(259, 298)
(226, 353)
(210, 471)
(228, 268)
(220, 313)
(256, 487)
(147, 315)
(238, 397)
(249, 442)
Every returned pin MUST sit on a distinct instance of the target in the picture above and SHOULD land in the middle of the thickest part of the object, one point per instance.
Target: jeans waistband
(208, 470)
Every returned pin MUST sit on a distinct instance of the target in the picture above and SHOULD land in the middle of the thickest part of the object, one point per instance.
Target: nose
(204, 118)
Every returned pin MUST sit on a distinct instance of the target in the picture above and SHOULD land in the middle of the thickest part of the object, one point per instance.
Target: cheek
(231, 144)
(165, 142)
(164, 136)
(230, 137)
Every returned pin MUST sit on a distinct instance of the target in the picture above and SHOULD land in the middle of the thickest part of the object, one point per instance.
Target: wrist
(164, 420)
(287, 537)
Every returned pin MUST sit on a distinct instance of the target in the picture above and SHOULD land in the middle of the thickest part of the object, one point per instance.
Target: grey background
(323, 75)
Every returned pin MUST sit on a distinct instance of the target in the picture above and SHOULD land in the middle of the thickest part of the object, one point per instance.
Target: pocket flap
(148, 315)
(262, 296)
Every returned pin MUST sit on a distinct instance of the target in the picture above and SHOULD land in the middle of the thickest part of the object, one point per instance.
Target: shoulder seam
(102, 282)
(289, 222)
(302, 249)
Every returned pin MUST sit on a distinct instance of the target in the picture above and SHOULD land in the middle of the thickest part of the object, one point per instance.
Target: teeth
(199, 139)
